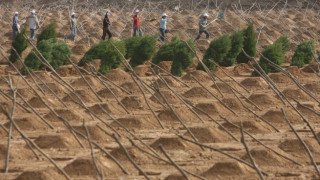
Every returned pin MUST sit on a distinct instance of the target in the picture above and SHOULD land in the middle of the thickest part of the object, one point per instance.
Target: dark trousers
(15, 32)
(203, 31)
(105, 32)
(163, 34)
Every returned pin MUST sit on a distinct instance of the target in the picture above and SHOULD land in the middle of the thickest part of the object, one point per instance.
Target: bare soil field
(77, 125)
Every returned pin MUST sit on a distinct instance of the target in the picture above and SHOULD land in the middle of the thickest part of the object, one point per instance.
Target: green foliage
(236, 48)
(273, 53)
(56, 53)
(217, 50)
(60, 54)
(182, 57)
(166, 51)
(49, 32)
(249, 44)
(131, 44)
(19, 44)
(143, 51)
(285, 43)
(110, 57)
(303, 54)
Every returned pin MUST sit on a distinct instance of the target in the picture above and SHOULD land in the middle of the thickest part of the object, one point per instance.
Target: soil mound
(276, 116)
(264, 157)
(279, 78)
(197, 92)
(250, 126)
(118, 75)
(107, 94)
(96, 109)
(47, 174)
(134, 102)
(80, 82)
(36, 102)
(143, 70)
(8, 106)
(295, 94)
(95, 133)
(28, 122)
(254, 83)
(66, 71)
(166, 65)
(169, 116)
(85, 95)
(198, 74)
(175, 177)
(56, 141)
(79, 49)
(232, 103)
(297, 72)
(132, 123)
(86, 167)
(227, 169)
(223, 87)
(3, 133)
(131, 87)
(135, 154)
(169, 143)
(242, 69)
(169, 80)
(56, 88)
(311, 68)
(68, 114)
(17, 152)
(169, 96)
(213, 108)
(313, 87)
(294, 146)
(263, 99)
(209, 135)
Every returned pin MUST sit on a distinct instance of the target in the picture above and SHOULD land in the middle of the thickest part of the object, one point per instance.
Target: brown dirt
(295, 94)
(311, 68)
(223, 169)
(86, 96)
(132, 87)
(105, 93)
(280, 78)
(298, 73)
(276, 116)
(232, 103)
(242, 69)
(96, 133)
(118, 75)
(254, 83)
(209, 135)
(265, 157)
(133, 123)
(222, 86)
(143, 70)
(29, 122)
(175, 177)
(294, 147)
(56, 88)
(313, 87)
(166, 65)
(56, 141)
(170, 81)
(48, 174)
(198, 92)
(169, 143)
(135, 154)
(67, 70)
(134, 102)
(264, 99)
(250, 126)
(199, 75)
(36, 102)
(15, 152)
(212, 108)
(91, 80)
(170, 97)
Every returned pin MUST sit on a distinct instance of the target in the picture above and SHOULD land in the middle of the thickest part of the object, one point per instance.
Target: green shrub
(143, 51)
(285, 43)
(303, 54)
(236, 48)
(249, 44)
(182, 57)
(60, 54)
(49, 32)
(19, 44)
(217, 50)
(273, 53)
(166, 51)
(110, 58)
(131, 43)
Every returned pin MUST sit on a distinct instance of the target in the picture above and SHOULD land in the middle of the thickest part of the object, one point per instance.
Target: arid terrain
(74, 123)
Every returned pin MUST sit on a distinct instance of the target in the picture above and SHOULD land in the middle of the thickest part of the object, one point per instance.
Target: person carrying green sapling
(203, 26)
(163, 27)
(106, 24)
(73, 28)
(15, 25)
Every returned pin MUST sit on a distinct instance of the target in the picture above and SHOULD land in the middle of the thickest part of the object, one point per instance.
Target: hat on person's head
(16, 13)
(205, 15)
(137, 11)
(164, 15)
(33, 12)
(72, 14)
(107, 13)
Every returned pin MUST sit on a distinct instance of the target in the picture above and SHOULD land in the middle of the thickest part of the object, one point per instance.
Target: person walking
(203, 26)
(15, 25)
(73, 28)
(137, 24)
(106, 24)
(163, 27)
(33, 23)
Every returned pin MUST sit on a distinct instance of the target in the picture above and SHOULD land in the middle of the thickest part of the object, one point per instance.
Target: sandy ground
(52, 111)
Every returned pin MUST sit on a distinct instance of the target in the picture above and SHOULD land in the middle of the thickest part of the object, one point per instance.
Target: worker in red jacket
(106, 24)
(137, 24)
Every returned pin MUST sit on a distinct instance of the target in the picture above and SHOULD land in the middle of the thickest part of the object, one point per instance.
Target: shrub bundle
(249, 44)
(131, 44)
(303, 54)
(236, 48)
(166, 52)
(19, 44)
(217, 50)
(143, 51)
(49, 32)
(110, 57)
(273, 53)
